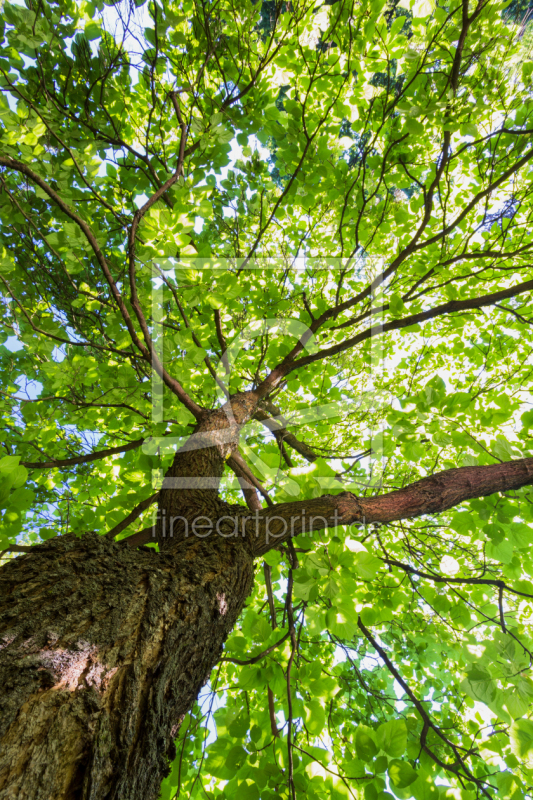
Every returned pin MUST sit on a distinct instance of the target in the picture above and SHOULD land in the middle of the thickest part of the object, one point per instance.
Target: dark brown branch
(500, 606)
(222, 341)
(141, 537)
(272, 713)
(453, 307)
(133, 515)
(249, 493)
(241, 469)
(18, 166)
(281, 433)
(257, 658)
(70, 462)
(293, 561)
(17, 548)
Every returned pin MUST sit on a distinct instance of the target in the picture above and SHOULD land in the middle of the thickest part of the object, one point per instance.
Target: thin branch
(272, 607)
(500, 606)
(222, 341)
(148, 354)
(428, 723)
(500, 585)
(452, 307)
(261, 655)
(133, 515)
(69, 462)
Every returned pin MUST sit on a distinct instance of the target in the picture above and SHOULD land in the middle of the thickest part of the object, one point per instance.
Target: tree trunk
(104, 650)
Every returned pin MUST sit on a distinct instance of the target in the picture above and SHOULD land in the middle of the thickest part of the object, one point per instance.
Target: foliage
(137, 189)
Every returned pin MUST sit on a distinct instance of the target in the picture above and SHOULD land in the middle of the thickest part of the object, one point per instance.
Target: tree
(266, 279)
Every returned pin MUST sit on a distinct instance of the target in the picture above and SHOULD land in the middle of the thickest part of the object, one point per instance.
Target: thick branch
(431, 495)
(246, 477)
(141, 537)
(278, 428)
(249, 492)
(17, 548)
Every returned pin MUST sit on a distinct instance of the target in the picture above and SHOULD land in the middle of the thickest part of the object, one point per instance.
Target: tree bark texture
(104, 650)
(104, 647)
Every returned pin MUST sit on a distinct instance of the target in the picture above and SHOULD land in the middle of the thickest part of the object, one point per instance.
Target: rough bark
(104, 650)
(190, 490)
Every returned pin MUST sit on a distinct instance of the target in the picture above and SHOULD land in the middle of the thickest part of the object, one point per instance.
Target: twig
(69, 462)
(257, 658)
(132, 516)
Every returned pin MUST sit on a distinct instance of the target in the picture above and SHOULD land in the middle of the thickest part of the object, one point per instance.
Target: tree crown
(327, 207)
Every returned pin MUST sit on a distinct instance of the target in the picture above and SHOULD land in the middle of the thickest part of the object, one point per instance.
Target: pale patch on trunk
(222, 604)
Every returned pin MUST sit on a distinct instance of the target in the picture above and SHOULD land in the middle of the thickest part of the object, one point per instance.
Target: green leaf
(8, 464)
(365, 743)
(367, 565)
(248, 791)
(469, 129)
(315, 717)
(217, 755)
(442, 439)
(396, 26)
(236, 758)
(397, 306)
(392, 737)
(19, 476)
(401, 774)
(521, 735)
(368, 616)
(479, 685)
(354, 768)
(250, 677)
(215, 301)
(93, 31)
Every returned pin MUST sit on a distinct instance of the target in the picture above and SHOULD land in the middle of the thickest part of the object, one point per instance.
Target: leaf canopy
(343, 190)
